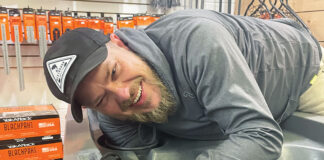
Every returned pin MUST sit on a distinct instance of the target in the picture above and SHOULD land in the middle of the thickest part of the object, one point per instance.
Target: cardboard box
(28, 121)
(34, 148)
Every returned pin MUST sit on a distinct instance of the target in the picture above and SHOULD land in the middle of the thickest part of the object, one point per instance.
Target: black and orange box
(33, 148)
(30, 132)
(28, 121)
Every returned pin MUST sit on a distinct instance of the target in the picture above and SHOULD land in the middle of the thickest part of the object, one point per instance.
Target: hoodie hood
(143, 46)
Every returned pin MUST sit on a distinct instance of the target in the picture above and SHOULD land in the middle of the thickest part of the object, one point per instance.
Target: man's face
(126, 88)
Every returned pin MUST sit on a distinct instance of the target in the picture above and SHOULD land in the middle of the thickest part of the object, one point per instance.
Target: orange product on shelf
(96, 23)
(155, 17)
(4, 20)
(41, 21)
(135, 17)
(125, 22)
(277, 16)
(29, 20)
(142, 20)
(109, 25)
(55, 24)
(264, 15)
(15, 19)
(80, 22)
(67, 21)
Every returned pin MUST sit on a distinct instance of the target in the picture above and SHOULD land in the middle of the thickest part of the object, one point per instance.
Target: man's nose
(121, 93)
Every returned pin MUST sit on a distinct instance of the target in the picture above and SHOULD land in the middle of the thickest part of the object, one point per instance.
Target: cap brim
(96, 58)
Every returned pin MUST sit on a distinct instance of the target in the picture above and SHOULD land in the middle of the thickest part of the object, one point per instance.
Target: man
(196, 74)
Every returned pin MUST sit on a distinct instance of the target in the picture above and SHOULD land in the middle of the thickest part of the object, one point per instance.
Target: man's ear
(115, 39)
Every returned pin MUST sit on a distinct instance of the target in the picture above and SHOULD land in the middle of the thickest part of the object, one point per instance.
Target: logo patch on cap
(58, 69)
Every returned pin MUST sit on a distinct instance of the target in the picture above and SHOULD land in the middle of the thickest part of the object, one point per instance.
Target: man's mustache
(133, 93)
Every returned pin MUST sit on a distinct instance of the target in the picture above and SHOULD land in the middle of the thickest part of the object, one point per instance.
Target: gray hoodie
(234, 78)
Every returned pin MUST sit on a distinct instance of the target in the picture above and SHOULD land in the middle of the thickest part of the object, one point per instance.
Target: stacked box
(30, 133)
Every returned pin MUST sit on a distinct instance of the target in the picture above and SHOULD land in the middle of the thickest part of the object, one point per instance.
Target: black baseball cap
(70, 59)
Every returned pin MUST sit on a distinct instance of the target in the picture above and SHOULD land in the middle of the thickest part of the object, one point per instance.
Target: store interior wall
(310, 11)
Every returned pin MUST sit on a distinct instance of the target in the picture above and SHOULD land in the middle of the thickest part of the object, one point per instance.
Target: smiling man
(124, 87)
(198, 74)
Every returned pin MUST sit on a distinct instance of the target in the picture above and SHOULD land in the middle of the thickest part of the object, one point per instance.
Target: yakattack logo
(58, 69)
(21, 145)
(17, 119)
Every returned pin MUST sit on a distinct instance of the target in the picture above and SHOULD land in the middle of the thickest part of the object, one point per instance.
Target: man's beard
(165, 108)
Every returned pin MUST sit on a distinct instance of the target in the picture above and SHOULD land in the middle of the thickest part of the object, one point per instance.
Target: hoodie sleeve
(230, 96)
(125, 135)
